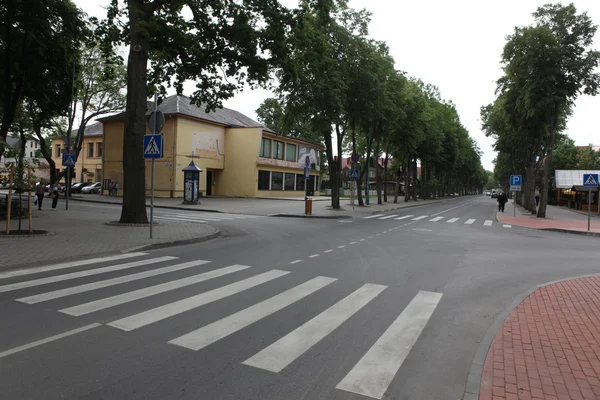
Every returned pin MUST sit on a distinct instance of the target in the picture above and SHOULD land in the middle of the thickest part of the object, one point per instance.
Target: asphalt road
(388, 307)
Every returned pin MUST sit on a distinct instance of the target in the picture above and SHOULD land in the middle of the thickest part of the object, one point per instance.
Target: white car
(94, 189)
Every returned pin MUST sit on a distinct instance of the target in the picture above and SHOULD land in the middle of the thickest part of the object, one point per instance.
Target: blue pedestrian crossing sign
(590, 180)
(68, 160)
(153, 146)
(354, 174)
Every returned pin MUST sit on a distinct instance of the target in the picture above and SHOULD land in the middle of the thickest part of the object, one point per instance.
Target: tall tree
(39, 43)
(222, 45)
(548, 66)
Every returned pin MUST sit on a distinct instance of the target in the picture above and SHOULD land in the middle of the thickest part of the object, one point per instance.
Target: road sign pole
(589, 208)
(152, 170)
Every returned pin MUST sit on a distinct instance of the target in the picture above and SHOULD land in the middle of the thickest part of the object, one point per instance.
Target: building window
(264, 178)
(290, 180)
(90, 150)
(100, 149)
(31, 154)
(265, 148)
(276, 180)
(300, 181)
(278, 150)
(290, 152)
(58, 150)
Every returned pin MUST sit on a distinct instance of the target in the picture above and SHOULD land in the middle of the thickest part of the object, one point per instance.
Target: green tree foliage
(222, 45)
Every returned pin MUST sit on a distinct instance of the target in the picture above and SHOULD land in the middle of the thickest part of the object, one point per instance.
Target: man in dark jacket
(502, 200)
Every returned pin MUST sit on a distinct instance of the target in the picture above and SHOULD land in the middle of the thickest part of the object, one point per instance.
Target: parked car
(61, 188)
(495, 193)
(77, 187)
(488, 193)
(92, 189)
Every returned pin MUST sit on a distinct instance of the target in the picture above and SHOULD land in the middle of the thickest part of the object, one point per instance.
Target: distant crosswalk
(203, 217)
(371, 376)
(417, 218)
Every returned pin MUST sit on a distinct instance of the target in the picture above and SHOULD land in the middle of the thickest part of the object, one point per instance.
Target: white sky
(455, 45)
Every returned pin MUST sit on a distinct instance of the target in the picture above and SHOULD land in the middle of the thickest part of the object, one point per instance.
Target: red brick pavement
(548, 347)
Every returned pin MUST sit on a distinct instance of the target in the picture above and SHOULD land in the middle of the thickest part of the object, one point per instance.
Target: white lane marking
(370, 237)
(80, 274)
(436, 219)
(452, 220)
(450, 209)
(180, 219)
(313, 256)
(211, 333)
(191, 218)
(352, 242)
(420, 218)
(487, 222)
(328, 251)
(295, 261)
(372, 375)
(389, 216)
(168, 310)
(372, 216)
(47, 340)
(71, 264)
(404, 217)
(507, 226)
(342, 246)
(38, 298)
(123, 298)
(469, 221)
(284, 351)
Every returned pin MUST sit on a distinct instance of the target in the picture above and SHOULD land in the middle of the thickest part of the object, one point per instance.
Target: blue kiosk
(191, 182)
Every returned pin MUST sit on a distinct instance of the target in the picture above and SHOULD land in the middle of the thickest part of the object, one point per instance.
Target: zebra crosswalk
(423, 218)
(371, 375)
(203, 217)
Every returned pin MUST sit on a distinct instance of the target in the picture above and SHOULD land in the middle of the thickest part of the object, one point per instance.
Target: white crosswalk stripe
(371, 216)
(156, 314)
(211, 333)
(372, 375)
(203, 217)
(487, 223)
(404, 217)
(80, 274)
(149, 291)
(388, 216)
(38, 298)
(507, 226)
(420, 218)
(452, 220)
(470, 221)
(436, 219)
(283, 352)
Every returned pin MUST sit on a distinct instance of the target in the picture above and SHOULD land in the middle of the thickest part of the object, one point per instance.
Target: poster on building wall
(313, 154)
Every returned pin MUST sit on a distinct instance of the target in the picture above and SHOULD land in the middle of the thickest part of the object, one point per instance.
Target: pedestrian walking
(54, 196)
(116, 189)
(502, 200)
(39, 192)
(537, 200)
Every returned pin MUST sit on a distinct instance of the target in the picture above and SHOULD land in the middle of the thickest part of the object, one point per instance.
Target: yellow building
(88, 167)
(237, 155)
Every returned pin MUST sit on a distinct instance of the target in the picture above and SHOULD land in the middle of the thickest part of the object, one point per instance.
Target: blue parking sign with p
(515, 180)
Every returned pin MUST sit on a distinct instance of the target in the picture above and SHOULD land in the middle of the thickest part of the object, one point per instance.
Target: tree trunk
(134, 165)
(359, 180)
(415, 178)
(397, 187)
(385, 176)
(378, 171)
(368, 164)
(541, 212)
(46, 151)
(333, 172)
(407, 179)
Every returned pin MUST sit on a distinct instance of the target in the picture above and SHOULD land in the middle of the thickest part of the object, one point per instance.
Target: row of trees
(546, 66)
(330, 80)
(338, 83)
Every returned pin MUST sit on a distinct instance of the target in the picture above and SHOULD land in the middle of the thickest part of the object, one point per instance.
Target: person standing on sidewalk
(54, 196)
(39, 192)
(502, 200)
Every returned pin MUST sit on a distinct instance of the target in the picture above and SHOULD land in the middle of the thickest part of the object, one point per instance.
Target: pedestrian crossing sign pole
(590, 181)
(153, 149)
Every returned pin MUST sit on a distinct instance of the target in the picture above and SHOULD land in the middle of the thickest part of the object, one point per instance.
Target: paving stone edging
(473, 383)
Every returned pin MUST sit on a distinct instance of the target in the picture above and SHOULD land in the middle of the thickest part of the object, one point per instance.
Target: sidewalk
(75, 234)
(557, 219)
(548, 347)
(270, 206)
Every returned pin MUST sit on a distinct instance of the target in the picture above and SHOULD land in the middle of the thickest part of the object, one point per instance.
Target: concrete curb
(310, 216)
(473, 383)
(147, 205)
(584, 233)
(175, 243)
